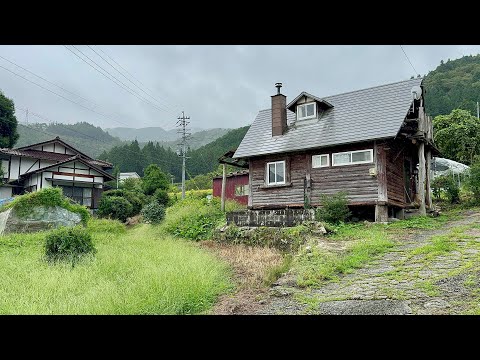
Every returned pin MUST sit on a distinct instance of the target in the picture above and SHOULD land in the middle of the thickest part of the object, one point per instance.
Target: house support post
(421, 178)
(381, 209)
(381, 213)
(428, 164)
(224, 182)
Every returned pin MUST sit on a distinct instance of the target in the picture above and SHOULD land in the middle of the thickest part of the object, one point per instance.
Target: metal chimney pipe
(278, 86)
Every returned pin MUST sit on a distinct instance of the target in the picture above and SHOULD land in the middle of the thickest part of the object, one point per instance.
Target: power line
(48, 81)
(64, 89)
(416, 72)
(141, 83)
(52, 83)
(114, 80)
(63, 97)
(141, 89)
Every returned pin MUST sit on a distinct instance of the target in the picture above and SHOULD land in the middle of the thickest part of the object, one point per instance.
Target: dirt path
(411, 279)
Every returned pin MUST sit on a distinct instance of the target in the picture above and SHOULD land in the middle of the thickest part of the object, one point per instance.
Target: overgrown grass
(421, 222)
(134, 272)
(287, 240)
(52, 197)
(319, 265)
(274, 273)
(428, 287)
(195, 219)
(438, 245)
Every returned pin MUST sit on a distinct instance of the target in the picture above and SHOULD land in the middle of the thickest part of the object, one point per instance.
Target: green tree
(8, 122)
(454, 84)
(154, 179)
(474, 181)
(458, 135)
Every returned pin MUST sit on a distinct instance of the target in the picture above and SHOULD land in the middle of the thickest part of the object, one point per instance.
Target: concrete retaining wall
(271, 218)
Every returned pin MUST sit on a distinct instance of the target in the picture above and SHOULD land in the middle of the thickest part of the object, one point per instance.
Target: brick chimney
(279, 112)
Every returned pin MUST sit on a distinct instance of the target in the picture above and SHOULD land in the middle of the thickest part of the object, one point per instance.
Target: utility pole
(478, 112)
(26, 116)
(185, 135)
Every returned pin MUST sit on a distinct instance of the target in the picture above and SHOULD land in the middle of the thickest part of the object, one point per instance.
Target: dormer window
(306, 111)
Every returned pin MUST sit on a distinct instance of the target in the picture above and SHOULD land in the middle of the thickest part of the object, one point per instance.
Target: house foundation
(271, 218)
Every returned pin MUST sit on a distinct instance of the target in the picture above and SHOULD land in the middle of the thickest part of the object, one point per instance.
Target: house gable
(75, 165)
(57, 146)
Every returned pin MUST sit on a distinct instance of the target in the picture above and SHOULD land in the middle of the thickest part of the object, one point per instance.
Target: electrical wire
(114, 80)
(140, 88)
(409, 60)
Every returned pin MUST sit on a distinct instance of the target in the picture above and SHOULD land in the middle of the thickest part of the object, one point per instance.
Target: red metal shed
(236, 186)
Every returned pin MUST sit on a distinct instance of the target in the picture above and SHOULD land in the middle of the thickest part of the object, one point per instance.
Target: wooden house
(54, 163)
(376, 144)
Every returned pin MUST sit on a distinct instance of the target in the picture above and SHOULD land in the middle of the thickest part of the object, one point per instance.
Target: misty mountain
(89, 139)
(159, 134)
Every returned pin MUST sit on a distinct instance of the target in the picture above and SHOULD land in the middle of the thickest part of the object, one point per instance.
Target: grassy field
(135, 271)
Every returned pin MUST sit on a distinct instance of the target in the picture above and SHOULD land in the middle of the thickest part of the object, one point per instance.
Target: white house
(54, 163)
(128, 175)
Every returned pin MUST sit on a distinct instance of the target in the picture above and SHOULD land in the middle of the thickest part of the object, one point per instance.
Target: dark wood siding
(395, 151)
(362, 188)
(96, 195)
(289, 195)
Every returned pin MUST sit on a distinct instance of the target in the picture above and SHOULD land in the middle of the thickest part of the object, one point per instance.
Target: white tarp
(442, 166)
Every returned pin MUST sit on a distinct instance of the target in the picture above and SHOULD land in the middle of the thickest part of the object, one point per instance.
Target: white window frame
(284, 173)
(307, 117)
(245, 189)
(320, 156)
(351, 156)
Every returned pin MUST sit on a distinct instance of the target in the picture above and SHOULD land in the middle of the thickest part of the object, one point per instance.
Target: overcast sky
(217, 86)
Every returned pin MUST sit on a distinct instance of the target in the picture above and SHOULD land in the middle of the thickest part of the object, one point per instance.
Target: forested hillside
(454, 84)
(131, 157)
(198, 139)
(91, 140)
(205, 159)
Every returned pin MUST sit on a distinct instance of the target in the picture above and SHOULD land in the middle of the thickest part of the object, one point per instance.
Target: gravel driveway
(398, 282)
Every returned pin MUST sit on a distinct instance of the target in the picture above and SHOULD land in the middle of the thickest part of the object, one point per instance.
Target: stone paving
(397, 283)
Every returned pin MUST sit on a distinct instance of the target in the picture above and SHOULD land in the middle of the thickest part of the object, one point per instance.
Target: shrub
(287, 239)
(153, 213)
(68, 244)
(198, 194)
(114, 207)
(446, 184)
(474, 181)
(189, 194)
(131, 184)
(49, 197)
(131, 197)
(193, 219)
(334, 208)
(161, 196)
(154, 179)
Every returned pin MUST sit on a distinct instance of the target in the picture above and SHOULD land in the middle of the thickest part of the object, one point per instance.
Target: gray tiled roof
(368, 114)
